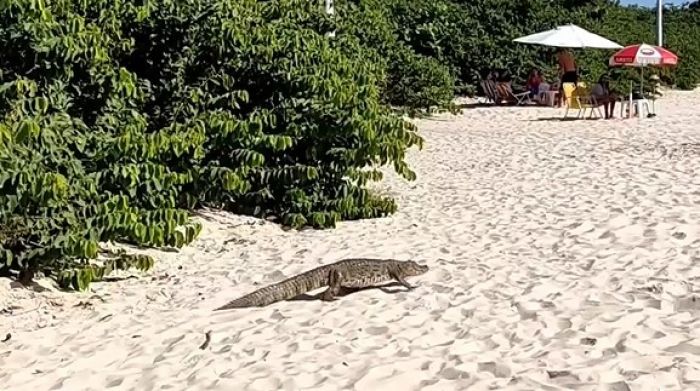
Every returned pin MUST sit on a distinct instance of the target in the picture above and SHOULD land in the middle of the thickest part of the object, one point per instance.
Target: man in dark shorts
(567, 70)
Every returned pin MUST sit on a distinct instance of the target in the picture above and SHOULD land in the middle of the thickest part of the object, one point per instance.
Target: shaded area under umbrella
(569, 36)
(642, 55)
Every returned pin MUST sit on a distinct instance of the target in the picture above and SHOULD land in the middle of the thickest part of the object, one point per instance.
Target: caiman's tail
(285, 290)
(259, 298)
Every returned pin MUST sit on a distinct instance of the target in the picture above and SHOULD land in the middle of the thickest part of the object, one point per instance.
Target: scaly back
(354, 273)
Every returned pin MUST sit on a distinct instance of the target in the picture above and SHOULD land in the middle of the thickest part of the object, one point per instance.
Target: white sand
(563, 255)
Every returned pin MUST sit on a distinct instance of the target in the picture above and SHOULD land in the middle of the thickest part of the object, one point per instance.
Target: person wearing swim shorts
(567, 70)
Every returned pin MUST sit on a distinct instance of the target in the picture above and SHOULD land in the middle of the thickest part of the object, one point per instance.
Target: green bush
(472, 37)
(419, 82)
(682, 35)
(410, 80)
(118, 118)
(436, 29)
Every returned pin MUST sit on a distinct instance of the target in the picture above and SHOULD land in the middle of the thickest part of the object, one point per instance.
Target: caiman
(348, 273)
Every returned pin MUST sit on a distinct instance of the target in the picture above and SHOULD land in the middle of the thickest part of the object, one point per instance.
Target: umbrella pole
(641, 94)
(629, 106)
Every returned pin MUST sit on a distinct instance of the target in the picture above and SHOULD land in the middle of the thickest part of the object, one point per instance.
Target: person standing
(567, 70)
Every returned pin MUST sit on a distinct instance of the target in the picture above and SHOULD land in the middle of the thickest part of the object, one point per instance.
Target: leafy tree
(120, 117)
(117, 118)
(472, 37)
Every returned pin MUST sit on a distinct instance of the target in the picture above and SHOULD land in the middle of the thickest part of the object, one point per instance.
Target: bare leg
(560, 97)
(560, 93)
(605, 107)
(334, 280)
(613, 99)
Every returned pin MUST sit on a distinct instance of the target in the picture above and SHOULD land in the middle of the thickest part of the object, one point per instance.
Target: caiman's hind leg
(403, 282)
(334, 285)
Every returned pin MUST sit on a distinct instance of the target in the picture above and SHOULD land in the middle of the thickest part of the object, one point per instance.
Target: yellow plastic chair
(578, 97)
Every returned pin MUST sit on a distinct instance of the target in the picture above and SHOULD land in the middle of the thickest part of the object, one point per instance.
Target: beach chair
(504, 92)
(489, 91)
(636, 106)
(578, 97)
(547, 95)
(638, 103)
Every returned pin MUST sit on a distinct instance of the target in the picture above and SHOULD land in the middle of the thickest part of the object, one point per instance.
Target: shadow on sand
(479, 105)
(563, 119)
(348, 291)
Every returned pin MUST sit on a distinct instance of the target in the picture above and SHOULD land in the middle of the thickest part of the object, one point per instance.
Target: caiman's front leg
(403, 282)
(334, 285)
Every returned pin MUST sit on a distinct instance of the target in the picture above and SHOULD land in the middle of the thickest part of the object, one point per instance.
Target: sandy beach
(563, 255)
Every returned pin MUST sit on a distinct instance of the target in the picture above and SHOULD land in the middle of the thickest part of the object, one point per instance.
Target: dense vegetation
(468, 38)
(119, 118)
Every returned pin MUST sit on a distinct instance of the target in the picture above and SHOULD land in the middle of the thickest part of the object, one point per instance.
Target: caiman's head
(411, 268)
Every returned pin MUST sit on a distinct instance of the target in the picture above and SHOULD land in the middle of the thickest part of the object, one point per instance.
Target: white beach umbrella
(569, 36)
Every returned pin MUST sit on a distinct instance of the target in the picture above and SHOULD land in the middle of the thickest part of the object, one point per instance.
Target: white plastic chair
(639, 105)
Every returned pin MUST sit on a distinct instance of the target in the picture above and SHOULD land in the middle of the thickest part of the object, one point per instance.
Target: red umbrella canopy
(642, 54)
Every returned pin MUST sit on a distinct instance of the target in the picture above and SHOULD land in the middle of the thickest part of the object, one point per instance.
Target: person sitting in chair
(603, 96)
(504, 86)
(533, 83)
